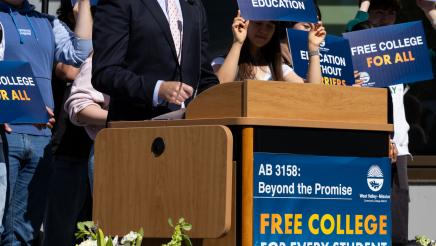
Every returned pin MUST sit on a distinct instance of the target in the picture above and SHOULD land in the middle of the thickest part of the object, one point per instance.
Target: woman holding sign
(256, 54)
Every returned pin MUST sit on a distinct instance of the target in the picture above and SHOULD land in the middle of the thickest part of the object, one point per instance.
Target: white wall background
(52, 6)
(422, 214)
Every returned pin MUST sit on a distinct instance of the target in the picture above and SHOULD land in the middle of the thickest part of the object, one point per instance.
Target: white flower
(88, 242)
(131, 237)
(115, 241)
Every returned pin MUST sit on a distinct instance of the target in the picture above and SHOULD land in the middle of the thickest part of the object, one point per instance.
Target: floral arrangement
(94, 236)
(425, 241)
(91, 235)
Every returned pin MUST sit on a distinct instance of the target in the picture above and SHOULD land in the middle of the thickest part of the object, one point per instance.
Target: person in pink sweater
(87, 107)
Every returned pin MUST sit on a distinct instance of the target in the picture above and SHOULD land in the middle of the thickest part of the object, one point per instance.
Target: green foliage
(88, 232)
(179, 237)
(424, 241)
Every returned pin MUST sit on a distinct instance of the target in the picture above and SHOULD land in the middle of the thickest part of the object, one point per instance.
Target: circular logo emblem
(364, 76)
(375, 178)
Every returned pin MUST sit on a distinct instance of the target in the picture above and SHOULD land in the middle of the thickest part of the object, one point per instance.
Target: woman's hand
(239, 28)
(425, 5)
(393, 151)
(357, 81)
(317, 35)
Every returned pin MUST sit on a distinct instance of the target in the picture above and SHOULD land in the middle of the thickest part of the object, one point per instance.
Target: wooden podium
(201, 168)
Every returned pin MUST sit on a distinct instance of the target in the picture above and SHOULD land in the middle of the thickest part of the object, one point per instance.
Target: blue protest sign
(20, 98)
(279, 10)
(336, 62)
(93, 2)
(391, 55)
(321, 200)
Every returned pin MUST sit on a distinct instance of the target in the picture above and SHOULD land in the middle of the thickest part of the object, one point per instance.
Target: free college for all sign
(279, 10)
(335, 58)
(391, 55)
(20, 98)
(302, 200)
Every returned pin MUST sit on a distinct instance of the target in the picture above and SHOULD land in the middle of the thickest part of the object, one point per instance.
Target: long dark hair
(270, 56)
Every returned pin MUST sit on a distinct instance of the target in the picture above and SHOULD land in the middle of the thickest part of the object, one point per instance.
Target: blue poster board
(336, 61)
(391, 55)
(279, 10)
(321, 200)
(20, 98)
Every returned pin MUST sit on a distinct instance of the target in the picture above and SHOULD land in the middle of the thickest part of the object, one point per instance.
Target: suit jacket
(133, 49)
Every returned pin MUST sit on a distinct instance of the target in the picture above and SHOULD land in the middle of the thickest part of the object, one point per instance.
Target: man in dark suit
(150, 55)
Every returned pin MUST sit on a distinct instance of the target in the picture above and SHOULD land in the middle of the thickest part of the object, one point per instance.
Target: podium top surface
(247, 121)
(284, 104)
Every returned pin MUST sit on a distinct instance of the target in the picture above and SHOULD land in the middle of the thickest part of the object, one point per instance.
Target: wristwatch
(313, 53)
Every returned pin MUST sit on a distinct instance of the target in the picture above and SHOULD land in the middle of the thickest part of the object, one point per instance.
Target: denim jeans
(91, 169)
(69, 201)
(28, 162)
(3, 185)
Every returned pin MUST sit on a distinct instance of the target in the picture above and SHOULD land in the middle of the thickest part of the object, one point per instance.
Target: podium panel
(256, 117)
(192, 178)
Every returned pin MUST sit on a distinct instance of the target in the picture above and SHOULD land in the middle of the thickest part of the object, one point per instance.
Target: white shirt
(401, 127)
(267, 75)
(156, 99)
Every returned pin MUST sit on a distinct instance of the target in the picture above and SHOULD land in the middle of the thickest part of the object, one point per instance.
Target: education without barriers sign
(335, 58)
(20, 98)
(279, 10)
(303, 200)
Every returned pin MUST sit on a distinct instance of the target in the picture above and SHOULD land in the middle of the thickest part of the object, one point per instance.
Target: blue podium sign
(93, 2)
(391, 55)
(20, 98)
(279, 10)
(302, 200)
(336, 61)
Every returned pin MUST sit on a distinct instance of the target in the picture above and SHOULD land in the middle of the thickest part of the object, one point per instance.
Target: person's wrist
(312, 46)
(237, 42)
(314, 52)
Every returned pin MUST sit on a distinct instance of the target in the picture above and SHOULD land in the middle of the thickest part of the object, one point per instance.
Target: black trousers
(400, 201)
(69, 201)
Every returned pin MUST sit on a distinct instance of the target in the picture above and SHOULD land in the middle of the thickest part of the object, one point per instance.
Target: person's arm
(66, 72)
(361, 15)
(228, 71)
(83, 28)
(93, 115)
(109, 75)
(85, 104)
(316, 36)
(73, 48)
(292, 77)
(428, 7)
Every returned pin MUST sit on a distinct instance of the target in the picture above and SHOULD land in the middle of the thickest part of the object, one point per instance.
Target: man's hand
(49, 124)
(51, 120)
(175, 92)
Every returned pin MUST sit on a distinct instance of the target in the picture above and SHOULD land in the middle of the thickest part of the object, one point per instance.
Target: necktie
(175, 19)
